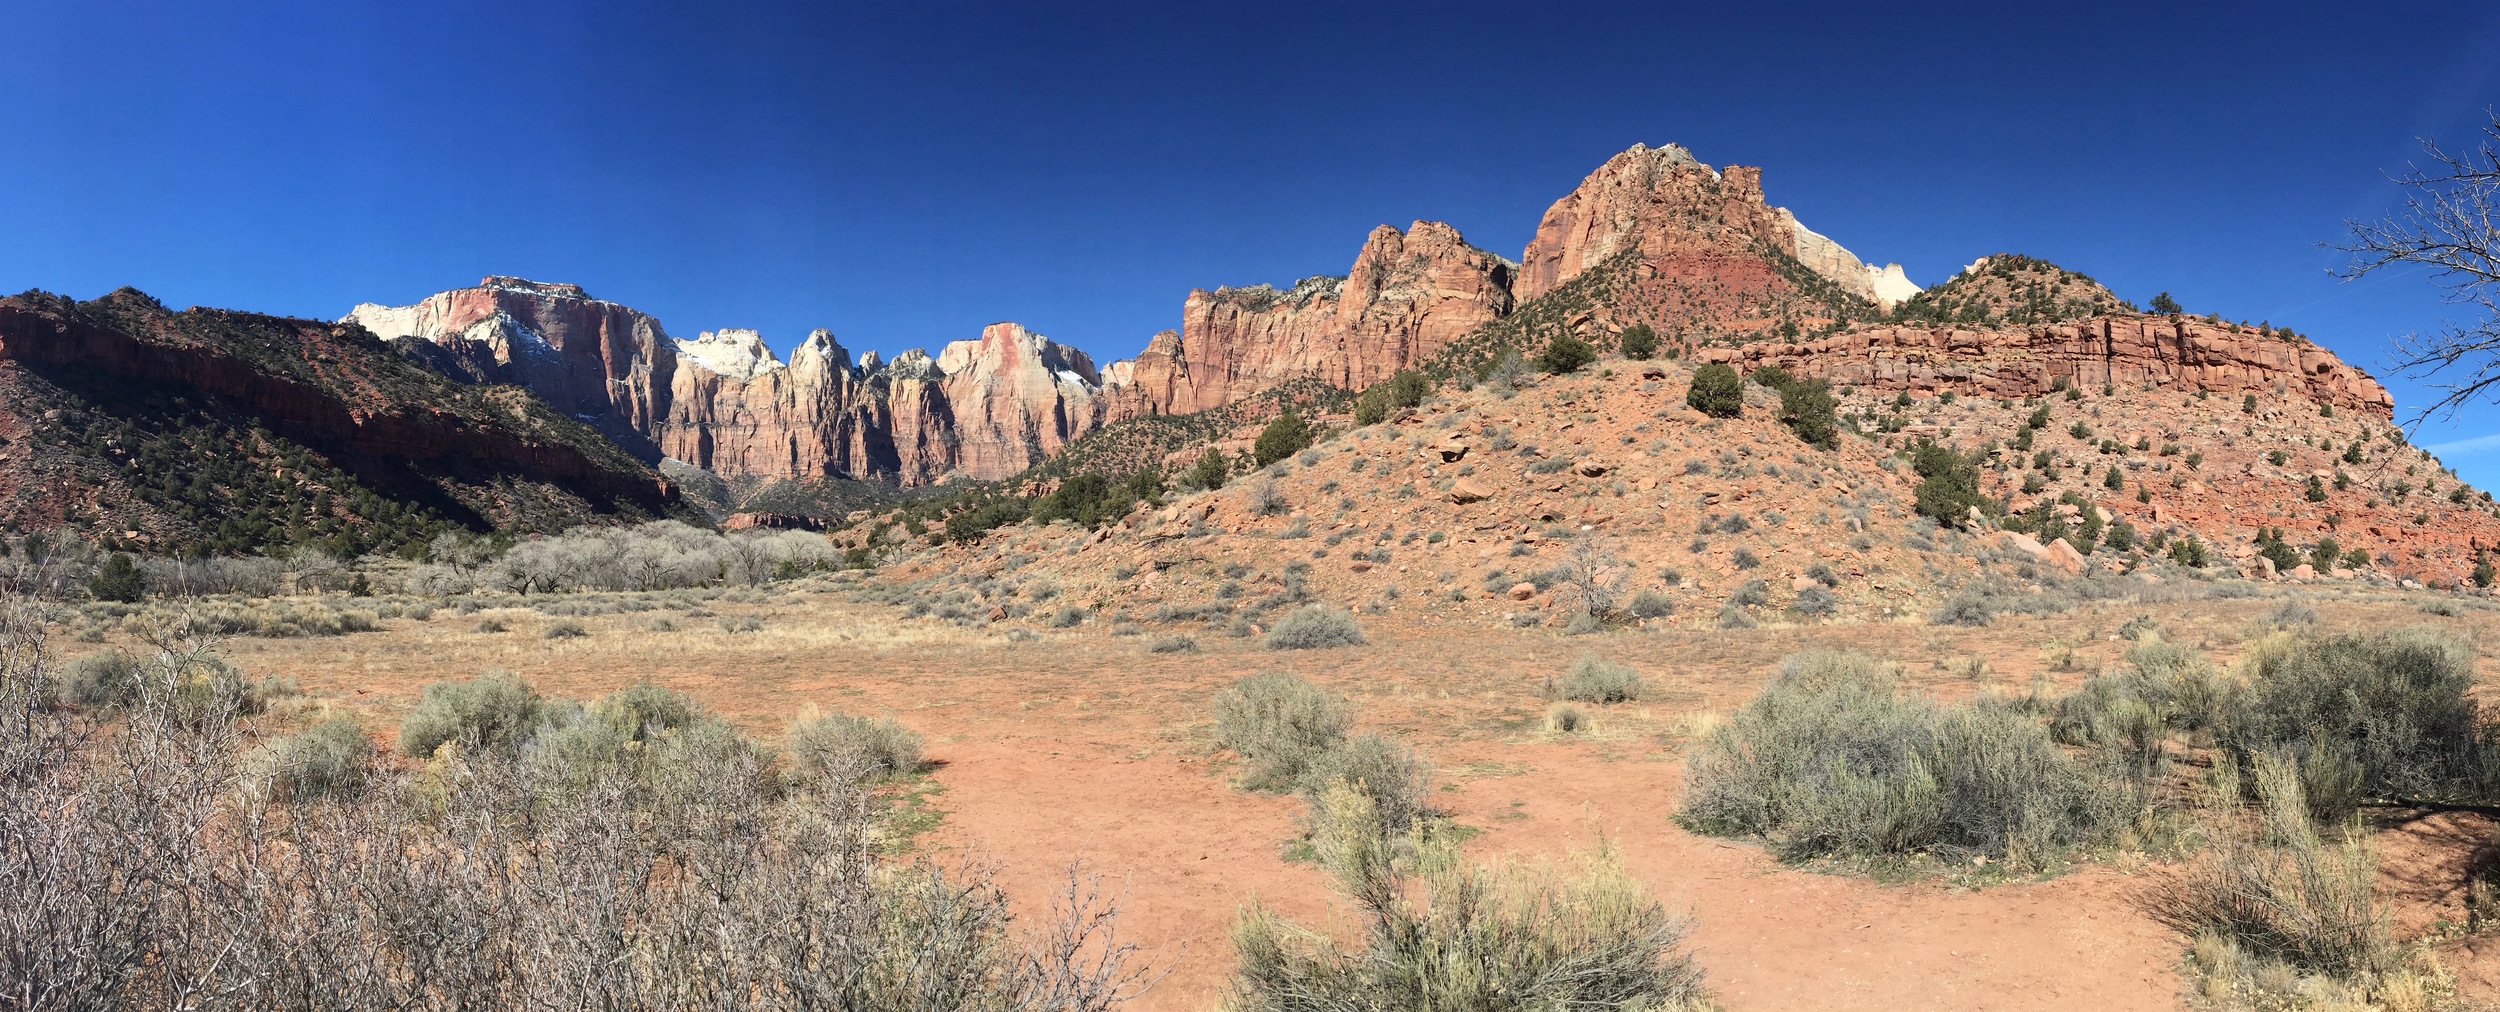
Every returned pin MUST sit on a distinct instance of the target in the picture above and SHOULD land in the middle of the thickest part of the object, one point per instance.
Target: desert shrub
(1808, 408)
(2293, 612)
(1085, 499)
(1816, 601)
(1174, 644)
(1315, 626)
(1280, 724)
(1594, 679)
(476, 880)
(327, 758)
(1514, 936)
(1284, 437)
(1637, 342)
(2397, 705)
(645, 709)
(2271, 894)
(1565, 353)
(117, 580)
(1831, 759)
(1948, 487)
(1209, 473)
(1970, 607)
(1396, 781)
(832, 749)
(565, 629)
(1564, 718)
(2164, 688)
(1267, 500)
(496, 708)
(105, 678)
(1067, 617)
(1651, 604)
(1716, 391)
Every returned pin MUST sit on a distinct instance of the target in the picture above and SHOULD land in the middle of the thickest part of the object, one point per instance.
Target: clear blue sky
(905, 173)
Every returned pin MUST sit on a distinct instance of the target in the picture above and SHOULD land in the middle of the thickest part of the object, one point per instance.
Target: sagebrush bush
(831, 749)
(1594, 679)
(328, 758)
(637, 877)
(646, 708)
(2164, 688)
(2274, 889)
(2397, 705)
(497, 708)
(1391, 776)
(1313, 627)
(1468, 936)
(1651, 604)
(1969, 607)
(1177, 643)
(1831, 759)
(1564, 718)
(1281, 725)
(106, 678)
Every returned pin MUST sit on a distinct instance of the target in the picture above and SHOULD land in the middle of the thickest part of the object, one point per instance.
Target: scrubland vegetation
(162, 848)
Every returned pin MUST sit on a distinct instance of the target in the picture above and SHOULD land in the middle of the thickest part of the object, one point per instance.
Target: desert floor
(1085, 746)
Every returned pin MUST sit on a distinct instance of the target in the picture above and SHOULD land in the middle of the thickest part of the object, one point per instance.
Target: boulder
(1522, 591)
(1591, 469)
(2017, 541)
(2064, 555)
(1467, 490)
(1452, 450)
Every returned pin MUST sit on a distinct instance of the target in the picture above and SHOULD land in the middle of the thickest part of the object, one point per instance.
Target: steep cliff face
(1408, 294)
(2126, 351)
(1017, 397)
(1666, 207)
(233, 431)
(595, 360)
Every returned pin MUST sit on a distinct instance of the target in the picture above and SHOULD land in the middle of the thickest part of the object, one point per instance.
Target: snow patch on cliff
(735, 353)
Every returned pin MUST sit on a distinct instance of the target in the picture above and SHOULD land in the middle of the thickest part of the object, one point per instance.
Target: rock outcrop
(1408, 294)
(1017, 397)
(119, 363)
(1653, 235)
(2122, 350)
(1661, 203)
(598, 361)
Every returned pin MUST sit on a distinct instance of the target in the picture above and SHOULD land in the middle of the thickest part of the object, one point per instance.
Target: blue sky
(906, 173)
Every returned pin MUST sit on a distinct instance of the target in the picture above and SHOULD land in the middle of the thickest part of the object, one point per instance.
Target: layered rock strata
(2127, 351)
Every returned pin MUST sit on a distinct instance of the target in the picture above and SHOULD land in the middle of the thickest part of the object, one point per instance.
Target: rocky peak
(730, 352)
(527, 287)
(914, 364)
(1008, 349)
(1660, 202)
(2010, 288)
(820, 351)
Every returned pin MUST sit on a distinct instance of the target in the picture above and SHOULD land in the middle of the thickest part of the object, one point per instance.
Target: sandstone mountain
(491, 412)
(212, 430)
(1705, 252)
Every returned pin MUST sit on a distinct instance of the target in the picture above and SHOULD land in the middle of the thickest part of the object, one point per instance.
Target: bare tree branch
(2450, 224)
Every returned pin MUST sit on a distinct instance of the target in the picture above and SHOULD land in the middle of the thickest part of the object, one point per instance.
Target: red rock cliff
(2122, 350)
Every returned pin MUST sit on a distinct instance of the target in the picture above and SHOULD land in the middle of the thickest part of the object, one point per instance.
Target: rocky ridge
(223, 430)
(993, 407)
(1486, 508)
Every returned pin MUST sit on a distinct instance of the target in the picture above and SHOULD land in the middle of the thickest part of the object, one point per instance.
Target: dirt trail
(1194, 850)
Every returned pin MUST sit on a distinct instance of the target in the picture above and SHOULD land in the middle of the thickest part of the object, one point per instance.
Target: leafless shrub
(672, 875)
